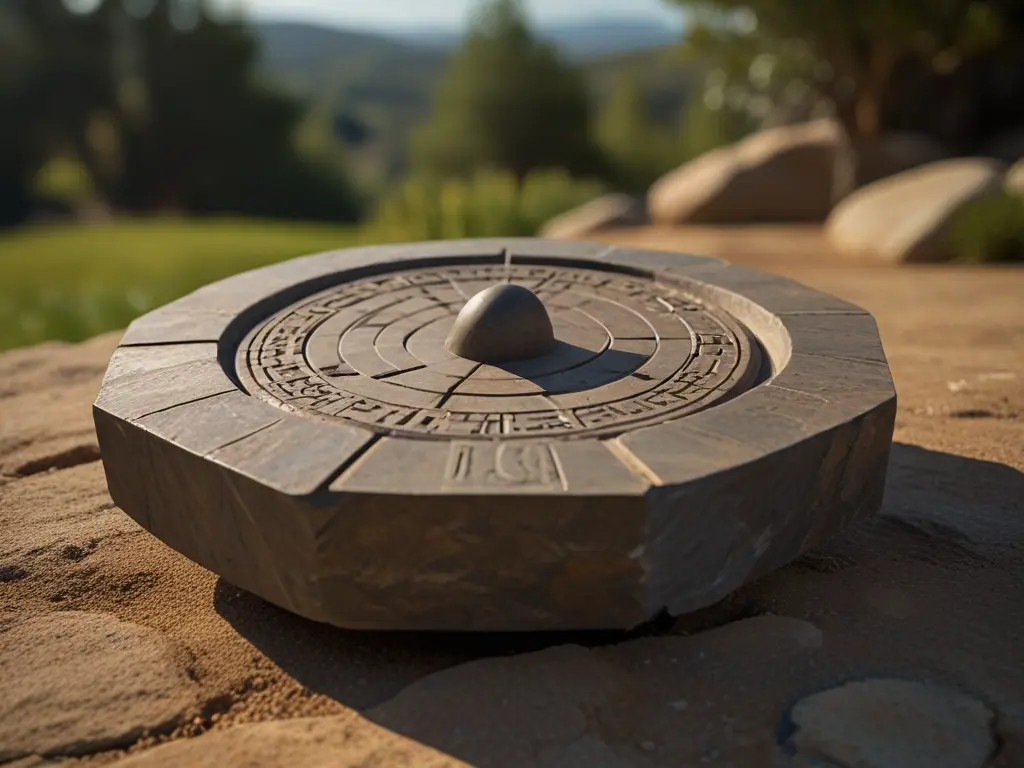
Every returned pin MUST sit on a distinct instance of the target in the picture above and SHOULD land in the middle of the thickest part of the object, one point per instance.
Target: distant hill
(576, 40)
(376, 89)
(308, 58)
(372, 88)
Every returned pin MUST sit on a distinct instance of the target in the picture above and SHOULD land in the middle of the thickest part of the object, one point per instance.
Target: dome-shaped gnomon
(501, 323)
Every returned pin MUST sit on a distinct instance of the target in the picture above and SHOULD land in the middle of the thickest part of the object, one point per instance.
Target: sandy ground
(111, 644)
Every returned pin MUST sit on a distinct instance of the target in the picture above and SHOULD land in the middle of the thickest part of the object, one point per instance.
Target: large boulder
(606, 211)
(905, 218)
(780, 174)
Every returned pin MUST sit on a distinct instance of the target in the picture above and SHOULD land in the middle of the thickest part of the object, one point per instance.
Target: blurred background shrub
(990, 230)
(490, 203)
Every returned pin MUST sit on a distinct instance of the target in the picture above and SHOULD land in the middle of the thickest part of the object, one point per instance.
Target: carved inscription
(515, 465)
(371, 351)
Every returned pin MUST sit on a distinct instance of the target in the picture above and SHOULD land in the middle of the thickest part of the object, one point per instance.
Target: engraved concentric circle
(630, 351)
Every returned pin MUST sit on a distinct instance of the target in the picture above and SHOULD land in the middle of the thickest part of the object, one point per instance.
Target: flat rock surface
(927, 593)
(877, 723)
(79, 682)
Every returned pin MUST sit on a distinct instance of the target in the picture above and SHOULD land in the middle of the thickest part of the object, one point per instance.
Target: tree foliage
(159, 102)
(850, 50)
(506, 101)
(871, 63)
(638, 147)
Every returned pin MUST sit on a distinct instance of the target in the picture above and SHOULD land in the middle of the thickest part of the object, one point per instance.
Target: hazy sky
(405, 14)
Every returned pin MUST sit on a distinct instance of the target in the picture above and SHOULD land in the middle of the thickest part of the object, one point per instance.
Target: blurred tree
(51, 82)
(160, 104)
(506, 101)
(637, 146)
(847, 52)
(708, 124)
(19, 147)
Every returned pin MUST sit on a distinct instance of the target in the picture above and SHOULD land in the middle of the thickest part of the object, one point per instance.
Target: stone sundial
(497, 434)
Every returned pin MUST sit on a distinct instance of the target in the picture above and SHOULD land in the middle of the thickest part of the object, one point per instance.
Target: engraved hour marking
(669, 383)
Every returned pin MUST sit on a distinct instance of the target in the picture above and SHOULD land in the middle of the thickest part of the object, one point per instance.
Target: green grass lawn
(73, 281)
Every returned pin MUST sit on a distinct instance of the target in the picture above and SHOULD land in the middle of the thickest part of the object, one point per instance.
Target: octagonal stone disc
(304, 431)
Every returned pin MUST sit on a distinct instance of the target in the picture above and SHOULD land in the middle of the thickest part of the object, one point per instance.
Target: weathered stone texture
(633, 472)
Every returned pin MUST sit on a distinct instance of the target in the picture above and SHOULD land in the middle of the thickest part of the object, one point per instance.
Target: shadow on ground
(361, 668)
(889, 597)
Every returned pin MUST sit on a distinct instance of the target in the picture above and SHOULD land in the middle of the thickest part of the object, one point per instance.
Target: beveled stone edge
(740, 291)
(135, 398)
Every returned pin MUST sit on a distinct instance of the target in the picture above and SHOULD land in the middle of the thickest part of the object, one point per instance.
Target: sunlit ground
(72, 281)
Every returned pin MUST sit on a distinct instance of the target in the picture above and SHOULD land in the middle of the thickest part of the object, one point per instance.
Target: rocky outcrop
(906, 218)
(779, 174)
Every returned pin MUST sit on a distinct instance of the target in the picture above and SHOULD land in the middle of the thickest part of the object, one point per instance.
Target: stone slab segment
(879, 723)
(792, 482)
(390, 521)
(77, 683)
(252, 535)
(906, 217)
(159, 389)
(558, 548)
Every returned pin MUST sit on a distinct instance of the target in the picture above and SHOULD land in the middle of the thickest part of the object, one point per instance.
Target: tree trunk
(862, 119)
